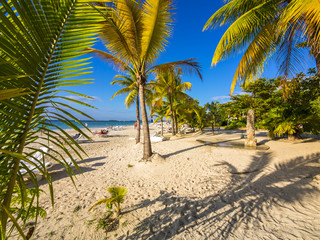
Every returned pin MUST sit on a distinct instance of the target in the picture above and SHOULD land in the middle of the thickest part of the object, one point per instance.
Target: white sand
(193, 192)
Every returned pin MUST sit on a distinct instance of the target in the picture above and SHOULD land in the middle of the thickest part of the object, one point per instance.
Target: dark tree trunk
(138, 120)
(292, 137)
(161, 128)
(172, 118)
(212, 126)
(147, 151)
(176, 120)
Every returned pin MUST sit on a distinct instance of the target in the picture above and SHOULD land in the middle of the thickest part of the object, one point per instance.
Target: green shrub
(235, 125)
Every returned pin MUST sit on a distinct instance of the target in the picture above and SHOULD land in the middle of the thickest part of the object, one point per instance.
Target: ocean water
(93, 124)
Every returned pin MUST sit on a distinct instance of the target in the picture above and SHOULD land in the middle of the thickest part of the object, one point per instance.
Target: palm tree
(201, 116)
(135, 32)
(41, 50)
(131, 88)
(169, 86)
(213, 112)
(159, 112)
(265, 28)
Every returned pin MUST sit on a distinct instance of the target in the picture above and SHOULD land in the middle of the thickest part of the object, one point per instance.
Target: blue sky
(187, 41)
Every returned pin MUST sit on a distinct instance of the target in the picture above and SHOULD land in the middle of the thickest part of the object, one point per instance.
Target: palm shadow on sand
(58, 171)
(248, 201)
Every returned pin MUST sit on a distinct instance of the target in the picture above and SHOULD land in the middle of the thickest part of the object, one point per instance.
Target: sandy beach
(191, 190)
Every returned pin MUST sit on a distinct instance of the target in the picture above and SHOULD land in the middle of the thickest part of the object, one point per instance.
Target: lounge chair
(183, 130)
(77, 137)
(157, 133)
(38, 162)
(156, 139)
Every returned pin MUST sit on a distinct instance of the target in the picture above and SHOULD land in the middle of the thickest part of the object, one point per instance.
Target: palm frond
(310, 10)
(42, 44)
(289, 56)
(115, 31)
(130, 13)
(244, 29)
(157, 23)
(131, 98)
(255, 56)
(188, 65)
(11, 93)
(116, 62)
(230, 12)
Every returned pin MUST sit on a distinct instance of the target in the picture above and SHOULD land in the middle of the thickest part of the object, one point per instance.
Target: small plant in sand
(77, 208)
(117, 197)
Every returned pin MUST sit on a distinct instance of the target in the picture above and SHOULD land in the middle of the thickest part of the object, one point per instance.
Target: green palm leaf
(42, 46)
(264, 28)
(157, 21)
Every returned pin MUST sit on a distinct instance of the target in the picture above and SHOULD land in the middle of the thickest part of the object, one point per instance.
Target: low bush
(235, 125)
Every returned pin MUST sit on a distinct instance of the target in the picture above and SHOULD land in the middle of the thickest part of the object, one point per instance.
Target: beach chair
(157, 133)
(38, 161)
(77, 137)
(183, 130)
(156, 139)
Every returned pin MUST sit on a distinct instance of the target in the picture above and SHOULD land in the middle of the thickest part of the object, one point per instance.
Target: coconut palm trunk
(176, 120)
(212, 126)
(172, 118)
(138, 120)
(161, 127)
(147, 151)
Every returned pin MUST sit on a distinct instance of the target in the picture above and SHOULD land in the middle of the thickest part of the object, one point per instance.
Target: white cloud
(221, 98)
(84, 99)
(239, 93)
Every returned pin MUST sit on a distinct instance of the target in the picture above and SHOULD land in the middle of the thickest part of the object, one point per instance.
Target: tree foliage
(41, 50)
(296, 113)
(265, 28)
(135, 33)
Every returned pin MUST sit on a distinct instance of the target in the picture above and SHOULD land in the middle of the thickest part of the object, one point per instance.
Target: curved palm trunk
(172, 118)
(138, 120)
(147, 151)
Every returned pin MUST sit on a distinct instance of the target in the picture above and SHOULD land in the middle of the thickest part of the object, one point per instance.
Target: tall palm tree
(265, 28)
(41, 49)
(134, 33)
(213, 113)
(131, 88)
(169, 86)
(159, 112)
(201, 115)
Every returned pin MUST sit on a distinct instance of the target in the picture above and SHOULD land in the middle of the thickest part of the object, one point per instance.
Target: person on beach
(135, 125)
(103, 131)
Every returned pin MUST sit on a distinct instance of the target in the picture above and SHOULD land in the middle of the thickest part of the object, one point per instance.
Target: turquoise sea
(94, 124)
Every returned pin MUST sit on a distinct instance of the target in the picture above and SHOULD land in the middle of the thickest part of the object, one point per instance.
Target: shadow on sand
(59, 172)
(248, 201)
